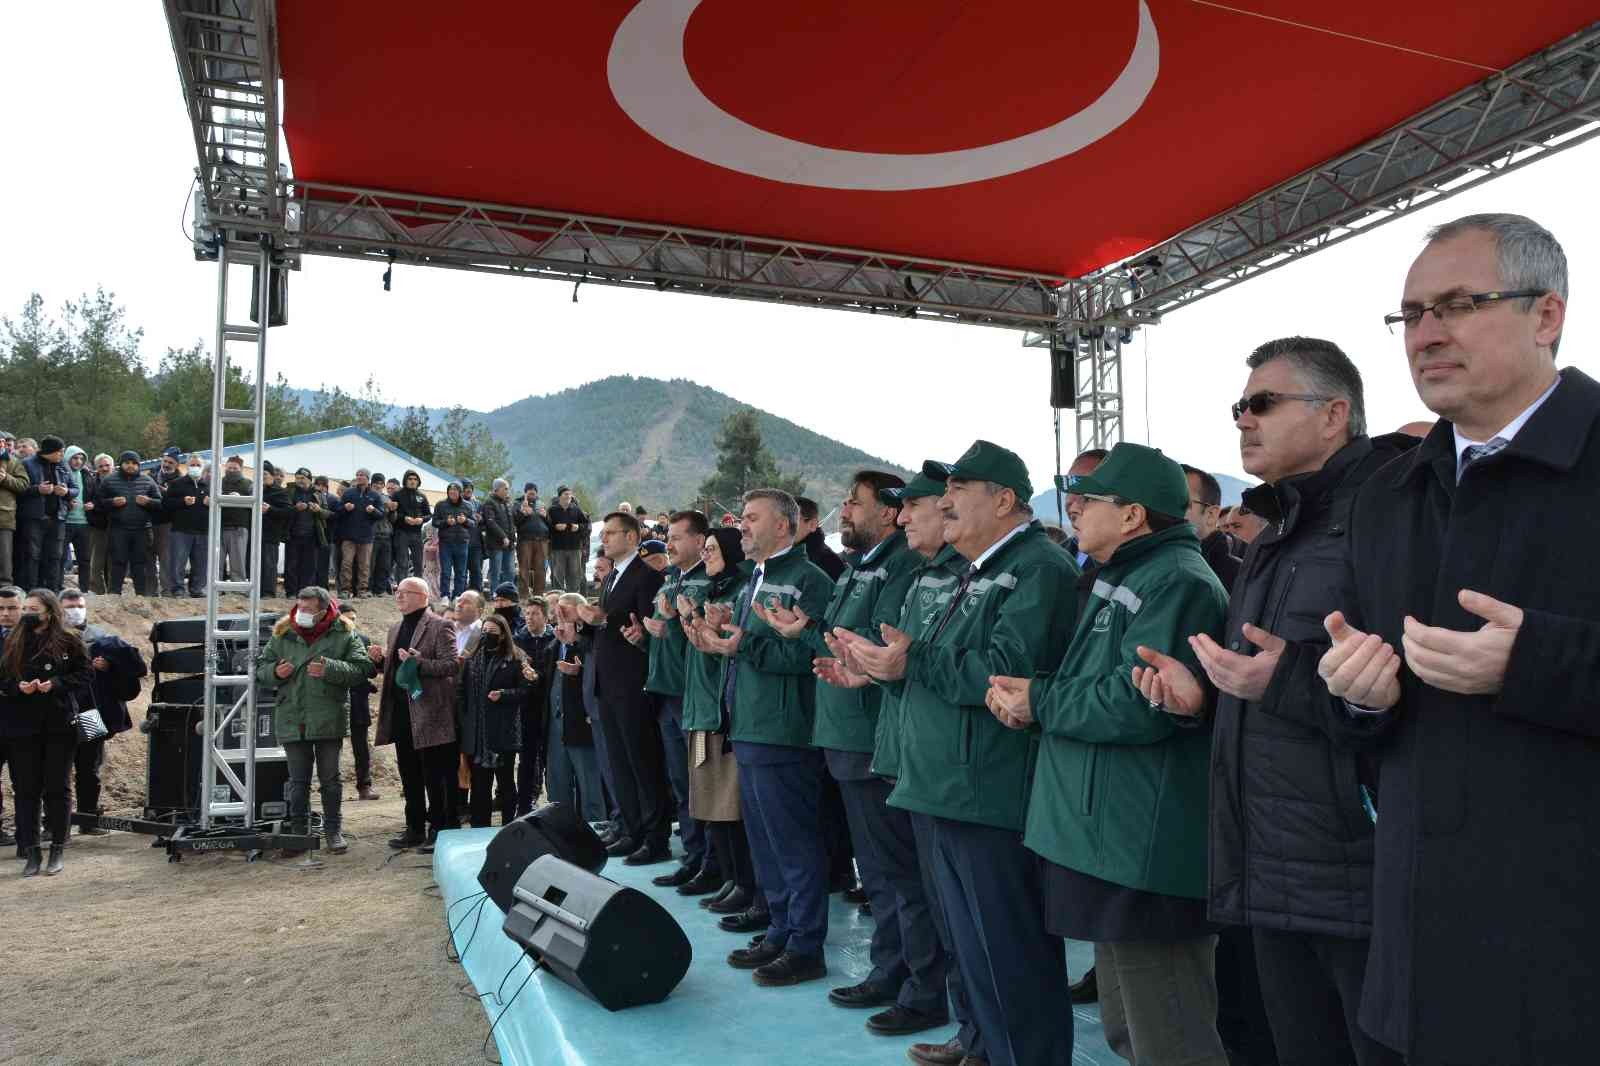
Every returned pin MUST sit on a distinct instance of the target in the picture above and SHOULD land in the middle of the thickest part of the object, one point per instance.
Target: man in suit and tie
(632, 739)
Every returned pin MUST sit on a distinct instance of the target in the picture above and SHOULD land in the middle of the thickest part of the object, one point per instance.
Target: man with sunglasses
(1472, 640)
(1291, 841)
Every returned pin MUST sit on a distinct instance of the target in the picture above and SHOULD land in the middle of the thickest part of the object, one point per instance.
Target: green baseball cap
(1140, 475)
(987, 462)
(918, 487)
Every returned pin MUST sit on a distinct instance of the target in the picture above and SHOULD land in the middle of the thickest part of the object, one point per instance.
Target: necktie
(611, 583)
(732, 684)
(955, 600)
(1479, 451)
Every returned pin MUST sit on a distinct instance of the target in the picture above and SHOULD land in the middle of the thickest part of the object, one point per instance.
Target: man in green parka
(313, 659)
(1119, 805)
(1009, 614)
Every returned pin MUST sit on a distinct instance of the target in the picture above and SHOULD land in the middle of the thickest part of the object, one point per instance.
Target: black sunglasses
(1261, 402)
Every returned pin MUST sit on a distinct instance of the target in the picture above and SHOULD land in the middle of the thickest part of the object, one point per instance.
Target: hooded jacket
(458, 532)
(82, 482)
(313, 708)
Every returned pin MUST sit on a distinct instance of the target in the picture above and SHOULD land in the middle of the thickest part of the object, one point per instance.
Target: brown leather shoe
(949, 1053)
(365, 793)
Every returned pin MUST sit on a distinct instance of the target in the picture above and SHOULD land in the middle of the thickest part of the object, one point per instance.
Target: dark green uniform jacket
(775, 700)
(921, 606)
(669, 654)
(702, 674)
(956, 760)
(1121, 789)
(314, 708)
(868, 593)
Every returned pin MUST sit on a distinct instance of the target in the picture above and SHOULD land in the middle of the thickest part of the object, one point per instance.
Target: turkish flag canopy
(1047, 137)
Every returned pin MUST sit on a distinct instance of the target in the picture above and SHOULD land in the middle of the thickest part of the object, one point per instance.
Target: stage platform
(717, 1014)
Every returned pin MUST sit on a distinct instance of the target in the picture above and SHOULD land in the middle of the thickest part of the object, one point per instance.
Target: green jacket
(956, 760)
(868, 593)
(311, 708)
(669, 655)
(775, 699)
(13, 482)
(702, 682)
(922, 603)
(1121, 788)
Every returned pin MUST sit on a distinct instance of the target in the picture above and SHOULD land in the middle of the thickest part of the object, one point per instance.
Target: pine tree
(743, 463)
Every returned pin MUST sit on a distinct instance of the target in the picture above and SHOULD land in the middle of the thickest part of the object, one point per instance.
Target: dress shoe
(426, 847)
(791, 968)
(901, 1021)
(734, 902)
(700, 884)
(719, 895)
(364, 792)
(53, 865)
(866, 994)
(407, 839)
(681, 876)
(648, 855)
(748, 920)
(610, 835)
(621, 846)
(758, 938)
(751, 957)
(949, 1053)
(856, 895)
(1087, 990)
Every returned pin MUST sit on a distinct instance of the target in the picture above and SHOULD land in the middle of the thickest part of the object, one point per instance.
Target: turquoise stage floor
(717, 1015)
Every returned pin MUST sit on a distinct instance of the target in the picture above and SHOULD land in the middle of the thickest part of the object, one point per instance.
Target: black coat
(33, 506)
(411, 503)
(187, 517)
(531, 526)
(35, 714)
(1484, 941)
(568, 539)
(620, 667)
(358, 526)
(502, 718)
(577, 731)
(1291, 841)
(279, 515)
(818, 552)
(110, 690)
(130, 515)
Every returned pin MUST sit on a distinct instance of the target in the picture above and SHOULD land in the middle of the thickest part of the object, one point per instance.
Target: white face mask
(305, 619)
(76, 616)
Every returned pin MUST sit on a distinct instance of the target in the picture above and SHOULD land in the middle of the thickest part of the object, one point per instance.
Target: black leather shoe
(900, 1021)
(866, 994)
(949, 1053)
(407, 839)
(749, 920)
(32, 867)
(681, 876)
(700, 884)
(791, 969)
(1086, 990)
(727, 889)
(752, 957)
(648, 855)
(740, 899)
(610, 837)
(426, 847)
(856, 895)
(53, 866)
(622, 846)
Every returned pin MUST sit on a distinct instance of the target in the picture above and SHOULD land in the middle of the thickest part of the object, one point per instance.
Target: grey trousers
(566, 569)
(1158, 1001)
(300, 755)
(235, 552)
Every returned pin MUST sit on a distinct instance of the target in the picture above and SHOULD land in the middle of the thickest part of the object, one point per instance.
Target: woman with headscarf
(713, 774)
(42, 664)
(489, 695)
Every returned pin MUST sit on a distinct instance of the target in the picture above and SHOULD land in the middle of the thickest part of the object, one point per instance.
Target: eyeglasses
(1261, 402)
(1455, 307)
(1115, 500)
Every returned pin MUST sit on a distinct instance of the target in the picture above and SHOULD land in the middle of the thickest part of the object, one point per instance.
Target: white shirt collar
(977, 564)
(1509, 433)
(618, 568)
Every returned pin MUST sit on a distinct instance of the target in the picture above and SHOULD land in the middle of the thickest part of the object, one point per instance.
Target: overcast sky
(99, 157)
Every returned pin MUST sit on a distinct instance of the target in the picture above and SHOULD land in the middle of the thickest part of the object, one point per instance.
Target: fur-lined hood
(286, 623)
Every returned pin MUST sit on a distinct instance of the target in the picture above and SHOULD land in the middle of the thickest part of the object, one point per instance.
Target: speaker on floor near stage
(554, 829)
(614, 944)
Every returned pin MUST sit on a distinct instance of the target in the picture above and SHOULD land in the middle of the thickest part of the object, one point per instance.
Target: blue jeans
(452, 561)
(572, 775)
(502, 567)
(186, 548)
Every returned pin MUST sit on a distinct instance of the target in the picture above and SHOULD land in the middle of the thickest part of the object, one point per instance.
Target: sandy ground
(126, 958)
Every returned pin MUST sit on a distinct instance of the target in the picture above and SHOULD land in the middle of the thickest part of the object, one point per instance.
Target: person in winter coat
(235, 521)
(132, 501)
(533, 541)
(412, 512)
(1118, 802)
(453, 518)
(42, 515)
(499, 533)
(382, 582)
(14, 483)
(188, 501)
(474, 505)
(361, 508)
(76, 534)
(307, 532)
(116, 670)
(489, 695)
(42, 665)
(541, 649)
(277, 514)
(569, 537)
(99, 528)
(313, 659)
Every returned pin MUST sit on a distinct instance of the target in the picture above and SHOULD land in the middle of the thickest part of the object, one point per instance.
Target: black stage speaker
(1063, 372)
(616, 945)
(554, 829)
(172, 769)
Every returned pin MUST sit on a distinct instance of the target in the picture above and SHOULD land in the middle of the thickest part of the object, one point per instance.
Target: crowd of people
(1310, 774)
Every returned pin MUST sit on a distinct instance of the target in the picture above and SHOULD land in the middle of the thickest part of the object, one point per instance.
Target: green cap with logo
(918, 487)
(1138, 474)
(986, 462)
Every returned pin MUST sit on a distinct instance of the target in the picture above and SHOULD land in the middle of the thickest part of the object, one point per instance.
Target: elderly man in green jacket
(1118, 810)
(1008, 614)
(314, 658)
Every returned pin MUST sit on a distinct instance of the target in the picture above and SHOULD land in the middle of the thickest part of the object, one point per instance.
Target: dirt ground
(126, 958)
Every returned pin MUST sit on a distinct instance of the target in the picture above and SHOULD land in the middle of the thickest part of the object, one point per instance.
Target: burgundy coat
(433, 716)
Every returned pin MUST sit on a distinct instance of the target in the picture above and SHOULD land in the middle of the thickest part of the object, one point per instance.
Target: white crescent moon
(650, 80)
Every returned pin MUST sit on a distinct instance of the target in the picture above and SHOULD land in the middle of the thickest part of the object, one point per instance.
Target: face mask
(76, 615)
(32, 618)
(305, 619)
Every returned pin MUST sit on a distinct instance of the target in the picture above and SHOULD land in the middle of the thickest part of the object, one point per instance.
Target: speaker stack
(175, 720)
